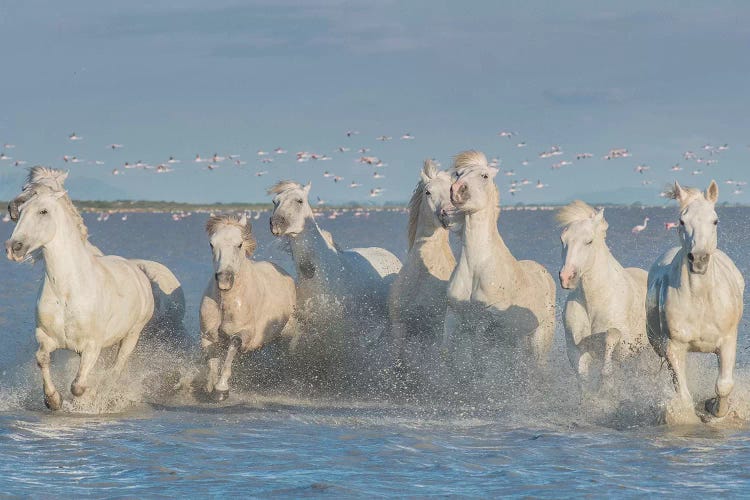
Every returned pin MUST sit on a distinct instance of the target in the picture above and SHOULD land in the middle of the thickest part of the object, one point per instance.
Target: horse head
(698, 224)
(473, 187)
(290, 208)
(584, 232)
(231, 241)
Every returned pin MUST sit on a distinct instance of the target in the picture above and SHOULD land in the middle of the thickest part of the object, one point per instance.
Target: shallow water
(287, 432)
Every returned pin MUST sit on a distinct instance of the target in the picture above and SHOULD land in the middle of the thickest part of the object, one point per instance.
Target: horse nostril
(691, 257)
(17, 246)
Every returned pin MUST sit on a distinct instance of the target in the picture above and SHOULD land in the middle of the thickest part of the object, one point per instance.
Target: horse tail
(169, 298)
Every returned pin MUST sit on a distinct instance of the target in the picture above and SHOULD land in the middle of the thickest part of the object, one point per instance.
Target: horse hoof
(53, 402)
(715, 408)
(77, 390)
(219, 396)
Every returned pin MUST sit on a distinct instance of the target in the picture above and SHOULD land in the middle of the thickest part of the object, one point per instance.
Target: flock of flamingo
(691, 299)
(518, 177)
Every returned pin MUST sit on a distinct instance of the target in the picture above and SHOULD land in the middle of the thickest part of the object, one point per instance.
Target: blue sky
(183, 78)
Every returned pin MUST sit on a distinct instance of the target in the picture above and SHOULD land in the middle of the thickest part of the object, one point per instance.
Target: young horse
(334, 286)
(489, 289)
(88, 301)
(605, 313)
(418, 297)
(694, 302)
(246, 304)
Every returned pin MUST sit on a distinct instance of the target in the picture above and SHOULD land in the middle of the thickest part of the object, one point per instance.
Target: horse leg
(52, 398)
(611, 340)
(211, 351)
(125, 349)
(719, 406)
(680, 410)
(89, 356)
(221, 389)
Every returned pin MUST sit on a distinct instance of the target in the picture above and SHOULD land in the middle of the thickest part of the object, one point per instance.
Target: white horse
(169, 299)
(418, 296)
(246, 304)
(489, 289)
(88, 301)
(694, 302)
(605, 312)
(334, 286)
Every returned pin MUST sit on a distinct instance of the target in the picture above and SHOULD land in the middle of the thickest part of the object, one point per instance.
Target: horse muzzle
(15, 250)
(278, 225)
(698, 262)
(568, 278)
(224, 280)
(459, 193)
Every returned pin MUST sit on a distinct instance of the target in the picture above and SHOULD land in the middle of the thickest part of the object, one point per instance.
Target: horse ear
(678, 192)
(307, 187)
(493, 171)
(712, 193)
(63, 176)
(59, 194)
(243, 219)
(429, 170)
(599, 215)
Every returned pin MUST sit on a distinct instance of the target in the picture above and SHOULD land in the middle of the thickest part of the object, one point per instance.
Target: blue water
(285, 432)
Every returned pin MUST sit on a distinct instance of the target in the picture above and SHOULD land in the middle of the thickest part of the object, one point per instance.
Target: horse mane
(52, 180)
(415, 204)
(574, 212)
(282, 186)
(46, 176)
(689, 194)
(469, 159)
(216, 221)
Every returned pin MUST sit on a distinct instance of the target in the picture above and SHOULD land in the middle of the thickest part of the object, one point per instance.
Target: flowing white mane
(574, 212)
(684, 195)
(469, 159)
(283, 186)
(415, 203)
(216, 222)
(45, 180)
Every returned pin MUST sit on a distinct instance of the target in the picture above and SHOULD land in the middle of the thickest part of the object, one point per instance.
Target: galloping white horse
(88, 301)
(694, 302)
(418, 297)
(246, 304)
(605, 313)
(489, 289)
(334, 286)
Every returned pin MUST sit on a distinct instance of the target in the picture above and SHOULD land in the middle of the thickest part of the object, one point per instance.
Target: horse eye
(239, 246)
(427, 193)
(300, 201)
(716, 222)
(589, 242)
(43, 212)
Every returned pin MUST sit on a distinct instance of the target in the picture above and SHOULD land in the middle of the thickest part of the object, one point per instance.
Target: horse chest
(234, 313)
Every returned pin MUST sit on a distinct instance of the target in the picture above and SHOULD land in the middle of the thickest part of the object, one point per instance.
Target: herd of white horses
(690, 300)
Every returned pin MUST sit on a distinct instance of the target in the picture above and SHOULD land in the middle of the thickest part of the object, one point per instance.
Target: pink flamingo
(641, 227)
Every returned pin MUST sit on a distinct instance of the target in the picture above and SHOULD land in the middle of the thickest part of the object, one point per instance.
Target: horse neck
(68, 261)
(431, 245)
(310, 245)
(482, 240)
(602, 271)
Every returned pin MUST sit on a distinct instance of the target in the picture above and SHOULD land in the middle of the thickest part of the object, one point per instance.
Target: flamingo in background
(670, 225)
(641, 227)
